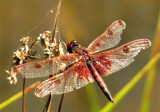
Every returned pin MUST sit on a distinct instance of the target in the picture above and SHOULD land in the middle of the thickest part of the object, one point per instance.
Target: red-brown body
(84, 65)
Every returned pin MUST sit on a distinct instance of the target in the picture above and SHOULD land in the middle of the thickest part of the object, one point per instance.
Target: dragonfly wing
(75, 77)
(109, 38)
(118, 58)
(45, 67)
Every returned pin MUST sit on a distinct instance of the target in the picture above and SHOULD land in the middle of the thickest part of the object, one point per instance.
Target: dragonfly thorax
(74, 47)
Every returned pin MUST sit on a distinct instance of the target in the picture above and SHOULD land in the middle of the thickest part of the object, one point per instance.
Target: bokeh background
(82, 20)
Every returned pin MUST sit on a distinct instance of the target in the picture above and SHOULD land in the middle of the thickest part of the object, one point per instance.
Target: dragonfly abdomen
(99, 81)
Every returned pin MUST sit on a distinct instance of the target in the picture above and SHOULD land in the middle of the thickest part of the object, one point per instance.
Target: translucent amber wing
(118, 58)
(109, 38)
(45, 67)
(75, 77)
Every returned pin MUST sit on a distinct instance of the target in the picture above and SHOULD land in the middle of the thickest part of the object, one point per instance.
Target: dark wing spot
(110, 32)
(37, 65)
(98, 44)
(38, 90)
(47, 61)
(120, 22)
(126, 49)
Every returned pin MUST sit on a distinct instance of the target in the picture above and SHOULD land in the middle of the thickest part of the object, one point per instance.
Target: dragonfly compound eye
(72, 45)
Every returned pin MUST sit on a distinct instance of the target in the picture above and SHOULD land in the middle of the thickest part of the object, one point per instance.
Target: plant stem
(119, 96)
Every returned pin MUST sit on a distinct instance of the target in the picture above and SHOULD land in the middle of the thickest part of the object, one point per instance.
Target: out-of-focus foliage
(83, 21)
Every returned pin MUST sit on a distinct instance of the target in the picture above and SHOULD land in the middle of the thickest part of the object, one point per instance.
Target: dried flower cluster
(24, 52)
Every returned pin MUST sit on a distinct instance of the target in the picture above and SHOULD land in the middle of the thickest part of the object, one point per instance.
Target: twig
(56, 21)
(60, 105)
(23, 98)
(48, 103)
(53, 40)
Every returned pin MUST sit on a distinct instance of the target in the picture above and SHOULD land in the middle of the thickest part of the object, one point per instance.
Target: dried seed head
(24, 40)
(12, 78)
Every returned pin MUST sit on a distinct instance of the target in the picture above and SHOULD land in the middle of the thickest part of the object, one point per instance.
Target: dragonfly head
(72, 46)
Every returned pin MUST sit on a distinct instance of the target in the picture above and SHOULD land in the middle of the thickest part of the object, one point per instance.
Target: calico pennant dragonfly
(83, 65)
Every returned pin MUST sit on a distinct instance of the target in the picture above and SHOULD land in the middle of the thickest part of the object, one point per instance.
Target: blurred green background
(83, 20)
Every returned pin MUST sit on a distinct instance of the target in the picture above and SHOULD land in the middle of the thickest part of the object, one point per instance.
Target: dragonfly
(81, 65)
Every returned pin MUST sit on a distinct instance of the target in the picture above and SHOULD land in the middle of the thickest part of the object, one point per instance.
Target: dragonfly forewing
(45, 67)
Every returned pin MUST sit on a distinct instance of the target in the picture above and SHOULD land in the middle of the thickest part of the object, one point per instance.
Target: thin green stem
(149, 83)
(92, 98)
(17, 96)
(130, 85)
